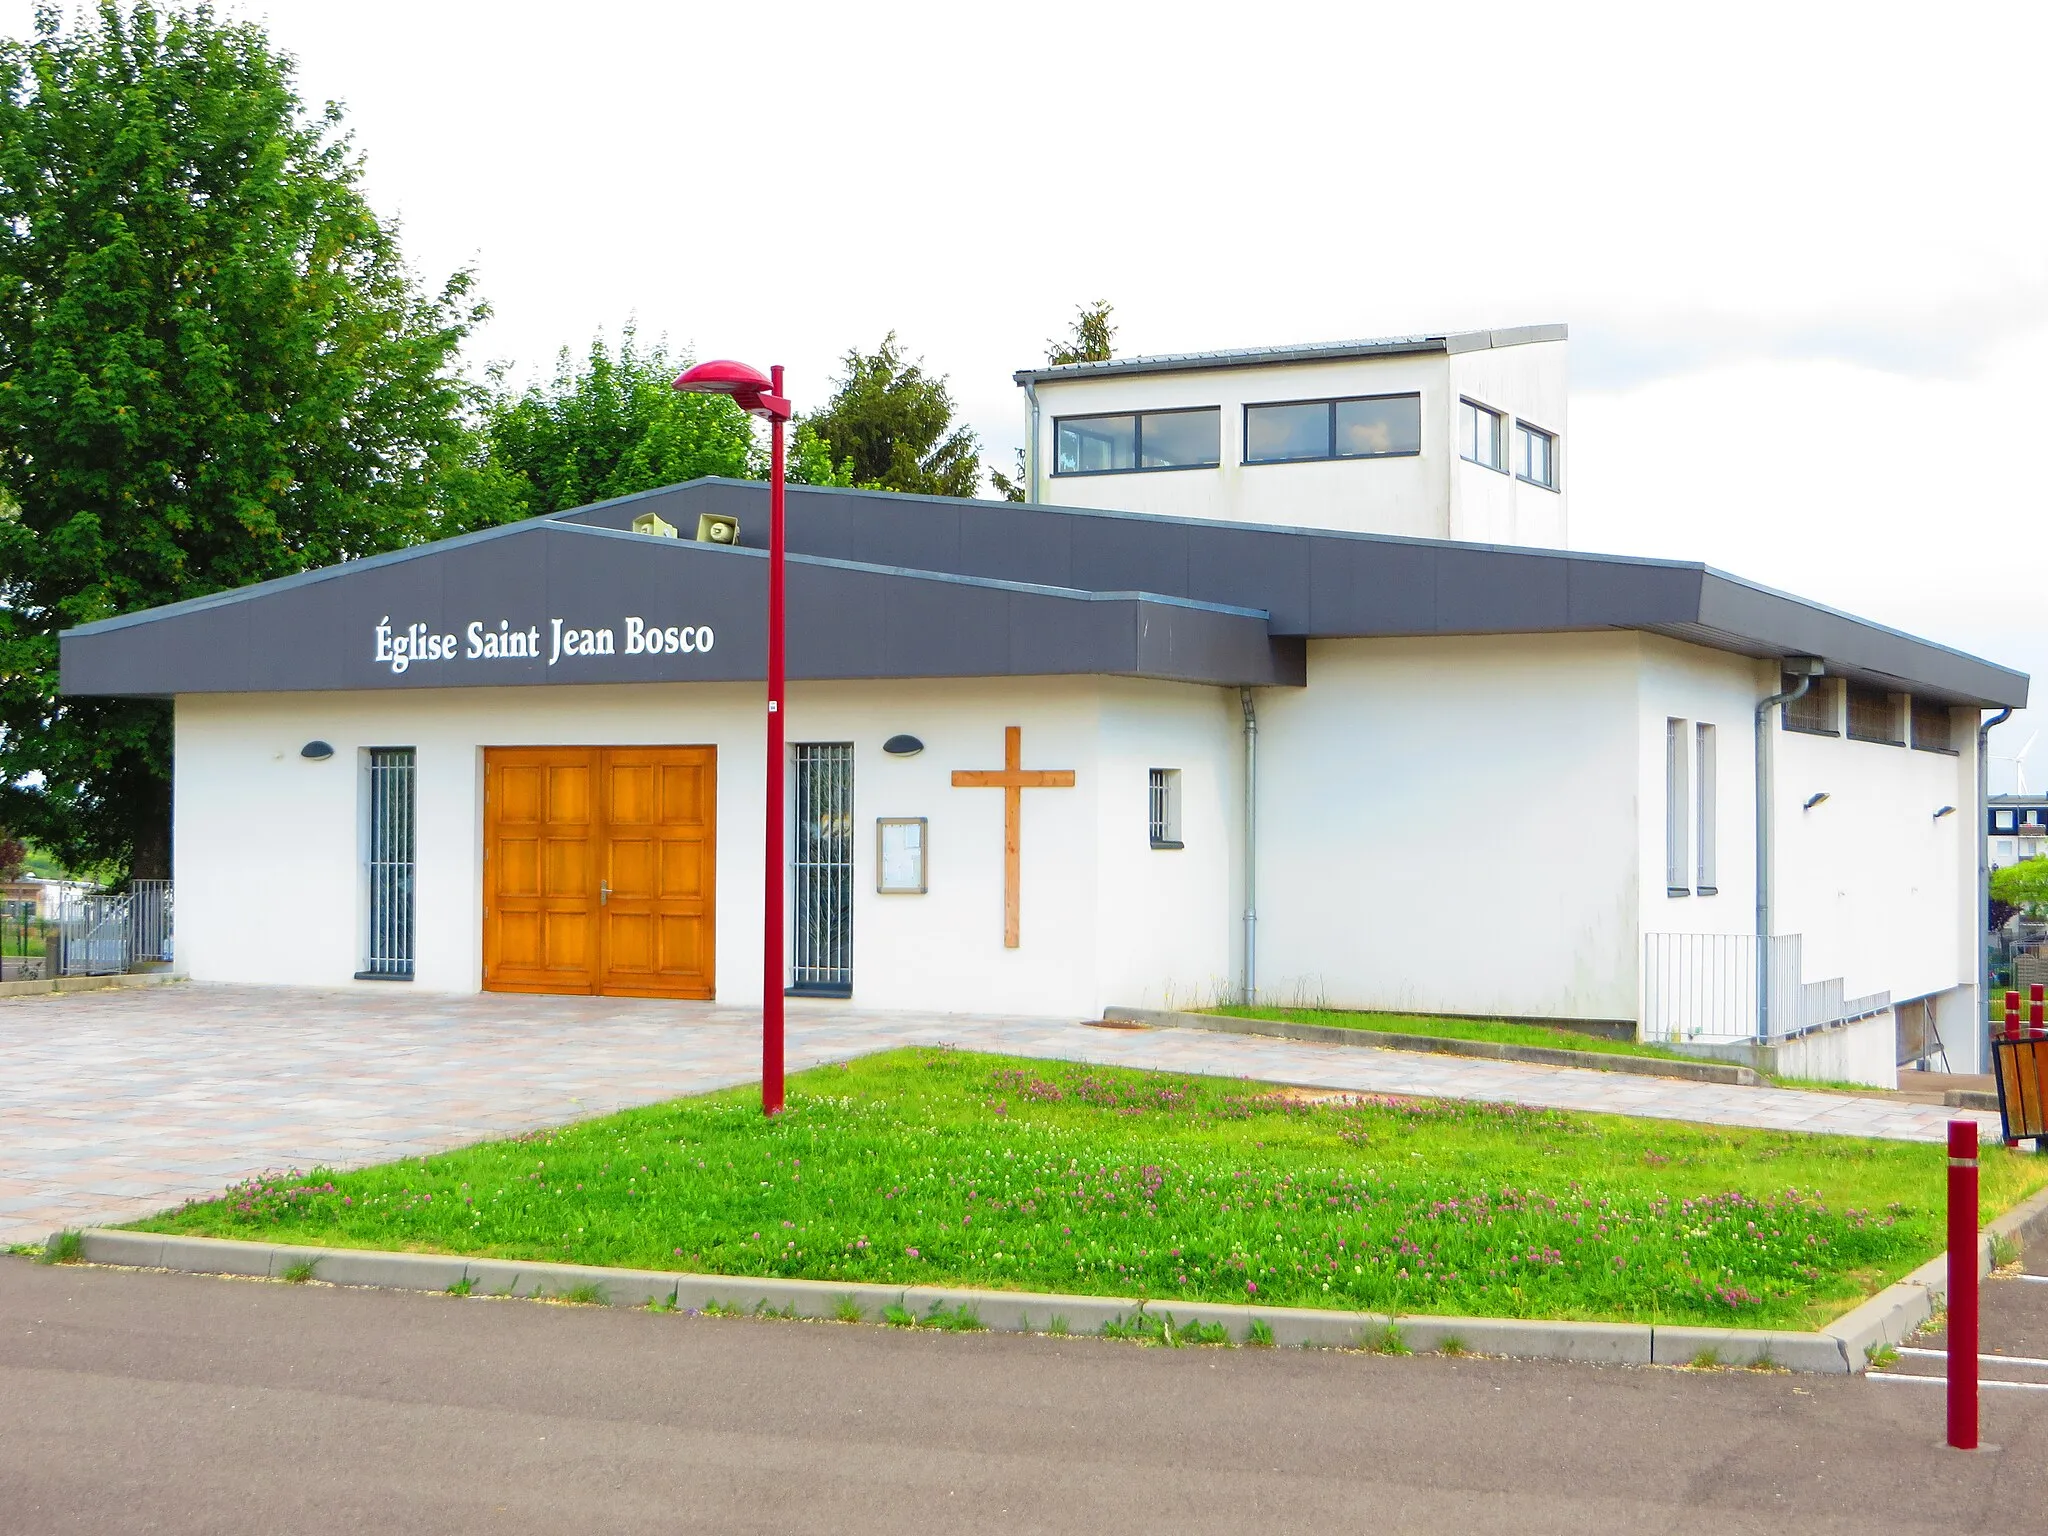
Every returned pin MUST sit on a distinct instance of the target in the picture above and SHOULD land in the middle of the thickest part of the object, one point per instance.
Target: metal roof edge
(951, 578)
(1862, 623)
(319, 573)
(1302, 352)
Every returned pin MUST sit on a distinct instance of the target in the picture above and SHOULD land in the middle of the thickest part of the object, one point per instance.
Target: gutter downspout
(1031, 444)
(1984, 877)
(1251, 847)
(1807, 668)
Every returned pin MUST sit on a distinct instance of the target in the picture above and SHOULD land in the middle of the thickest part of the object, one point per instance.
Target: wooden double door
(600, 870)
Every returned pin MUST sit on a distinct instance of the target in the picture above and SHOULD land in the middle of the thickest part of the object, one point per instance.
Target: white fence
(1702, 986)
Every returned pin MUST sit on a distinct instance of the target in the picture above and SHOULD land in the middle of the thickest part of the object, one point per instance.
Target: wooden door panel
(683, 864)
(599, 868)
(567, 861)
(657, 921)
(540, 889)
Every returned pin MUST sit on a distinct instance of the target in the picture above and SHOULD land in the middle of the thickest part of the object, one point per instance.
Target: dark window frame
(1916, 710)
(1137, 420)
(1500, 421)
(1549, 437)
(1820, 688)
(1866, 695)
(1330, 402)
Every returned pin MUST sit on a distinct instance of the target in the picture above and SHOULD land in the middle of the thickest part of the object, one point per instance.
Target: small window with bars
(1874, 716)
(1813, 711)
(1933, 727)
(1163, 804)
(390, 847)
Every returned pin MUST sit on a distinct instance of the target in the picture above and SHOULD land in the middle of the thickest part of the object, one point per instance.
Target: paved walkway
(116, 1104)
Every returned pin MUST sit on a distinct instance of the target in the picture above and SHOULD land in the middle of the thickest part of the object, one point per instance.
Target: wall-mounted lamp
(1813, 800)
(316, 751)
(1946, 810)
(903, 746)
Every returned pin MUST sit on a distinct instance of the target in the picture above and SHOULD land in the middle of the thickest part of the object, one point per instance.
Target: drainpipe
(1031, 444)
(1806, 669)
(1984, 871)
(1251, 847)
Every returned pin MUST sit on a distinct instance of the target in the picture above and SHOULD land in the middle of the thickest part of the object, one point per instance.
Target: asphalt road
(166, 1403)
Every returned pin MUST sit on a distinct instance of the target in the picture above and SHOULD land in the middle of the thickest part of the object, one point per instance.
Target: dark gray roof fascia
(1306, 352)
(847, 619)
(1321, 583)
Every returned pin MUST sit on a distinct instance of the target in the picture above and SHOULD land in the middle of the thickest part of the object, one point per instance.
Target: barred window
(1933, 729)
(1813, 711)
(1874, 715)
(390, 849)
(1163, 805)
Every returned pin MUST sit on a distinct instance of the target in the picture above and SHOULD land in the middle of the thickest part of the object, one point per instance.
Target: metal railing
(1702, 987)
(105, 934)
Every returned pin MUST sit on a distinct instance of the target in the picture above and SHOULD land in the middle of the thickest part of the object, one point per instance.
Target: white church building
(1284, 680)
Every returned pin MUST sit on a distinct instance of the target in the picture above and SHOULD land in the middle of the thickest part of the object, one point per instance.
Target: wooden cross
(1013, 779)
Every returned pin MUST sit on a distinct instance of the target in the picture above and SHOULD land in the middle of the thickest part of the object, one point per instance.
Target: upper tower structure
(1453, 436)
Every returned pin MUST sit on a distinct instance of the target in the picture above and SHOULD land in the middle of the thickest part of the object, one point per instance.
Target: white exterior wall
(1700, 687)
(1395, 495)
(1526, 383)
(1432, 495)
(1451, 826)
(269, 845)
(1883, 894)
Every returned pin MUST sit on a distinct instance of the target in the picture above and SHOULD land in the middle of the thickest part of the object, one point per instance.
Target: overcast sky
(1801, 248)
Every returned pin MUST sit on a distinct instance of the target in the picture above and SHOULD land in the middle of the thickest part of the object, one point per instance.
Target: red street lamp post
(760, 395)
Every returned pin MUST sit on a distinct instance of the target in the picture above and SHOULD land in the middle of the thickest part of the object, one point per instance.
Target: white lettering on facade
(400, 648)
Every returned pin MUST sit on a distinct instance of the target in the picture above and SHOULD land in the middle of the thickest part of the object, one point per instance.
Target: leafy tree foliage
(2022, 887)
(893, 424)
(609, 426)
(1089, 338)
(214, 369)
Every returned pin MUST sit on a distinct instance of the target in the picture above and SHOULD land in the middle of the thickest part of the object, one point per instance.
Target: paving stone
(118, 1104)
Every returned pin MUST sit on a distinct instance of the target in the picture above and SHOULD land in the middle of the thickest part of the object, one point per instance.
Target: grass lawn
(946, 1167)
(1496, 1031)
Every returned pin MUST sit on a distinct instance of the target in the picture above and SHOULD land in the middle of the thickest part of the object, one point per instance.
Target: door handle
(604, 892)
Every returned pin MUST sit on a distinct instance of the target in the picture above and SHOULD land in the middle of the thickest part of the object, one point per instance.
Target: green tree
(609, 426)
(2023, 886)
(215, 368)
(1089, 339)
(893, 424)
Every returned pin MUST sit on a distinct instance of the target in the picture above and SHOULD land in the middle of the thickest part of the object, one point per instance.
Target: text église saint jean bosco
(399, 649)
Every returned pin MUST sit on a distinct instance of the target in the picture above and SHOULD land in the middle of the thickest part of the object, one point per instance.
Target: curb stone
(1000, 1311)
(1725, 1073)
(1894, 1313)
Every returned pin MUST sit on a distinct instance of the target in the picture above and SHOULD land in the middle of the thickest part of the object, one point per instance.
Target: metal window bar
(391, 866)
(1159, 791)
(824, 868)
(149, 921)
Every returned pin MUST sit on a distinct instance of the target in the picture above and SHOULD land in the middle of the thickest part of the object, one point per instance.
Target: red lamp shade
(722, 376)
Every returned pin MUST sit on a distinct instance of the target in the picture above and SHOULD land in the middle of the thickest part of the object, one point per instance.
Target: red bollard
(1962, 1284)
(2012, 1015)
(2035, 1007)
